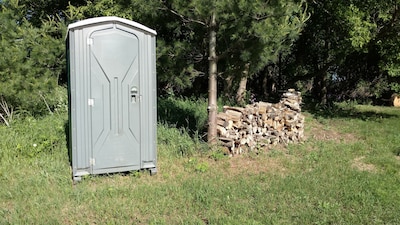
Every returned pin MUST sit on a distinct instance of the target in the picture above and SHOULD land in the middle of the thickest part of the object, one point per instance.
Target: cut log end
(262, 124)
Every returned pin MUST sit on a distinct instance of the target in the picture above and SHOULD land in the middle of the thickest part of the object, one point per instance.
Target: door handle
(134, 95)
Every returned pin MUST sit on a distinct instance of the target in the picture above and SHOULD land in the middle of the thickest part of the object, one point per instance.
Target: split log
(227, 142)
(262, 124)
(238, 109)
(235, 115)
(396, 100)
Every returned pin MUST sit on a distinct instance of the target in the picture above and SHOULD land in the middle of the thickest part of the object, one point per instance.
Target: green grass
(346, 172)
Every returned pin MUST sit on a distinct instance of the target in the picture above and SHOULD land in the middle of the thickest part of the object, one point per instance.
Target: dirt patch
(245, 165)
(362, 166)
(7, 208)
(320, 132)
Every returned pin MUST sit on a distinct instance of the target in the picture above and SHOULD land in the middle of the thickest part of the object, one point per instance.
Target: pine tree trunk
(324, 89)
(321, 85)
(241, 90)
(228, 81)
(212, 83)
(242, 85)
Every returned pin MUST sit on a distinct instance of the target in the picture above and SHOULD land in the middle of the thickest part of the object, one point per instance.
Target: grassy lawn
(346, 172)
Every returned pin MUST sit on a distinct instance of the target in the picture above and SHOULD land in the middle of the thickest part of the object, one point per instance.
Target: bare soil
(362, 166)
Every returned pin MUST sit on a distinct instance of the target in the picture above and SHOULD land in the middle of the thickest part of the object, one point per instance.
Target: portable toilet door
(112, 96)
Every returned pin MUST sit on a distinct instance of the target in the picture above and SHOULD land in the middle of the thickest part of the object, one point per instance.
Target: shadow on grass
(350, 110)
(396, 152)
(68, 141)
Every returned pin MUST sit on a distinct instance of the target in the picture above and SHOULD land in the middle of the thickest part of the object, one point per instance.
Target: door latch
(134, 95)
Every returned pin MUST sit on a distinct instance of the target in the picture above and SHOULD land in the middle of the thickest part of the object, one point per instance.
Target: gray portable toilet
(112, 96)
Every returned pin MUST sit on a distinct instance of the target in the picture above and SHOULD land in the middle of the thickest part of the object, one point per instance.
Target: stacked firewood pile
(262, 124)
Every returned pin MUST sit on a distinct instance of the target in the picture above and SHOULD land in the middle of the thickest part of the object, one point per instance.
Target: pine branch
(183, 18)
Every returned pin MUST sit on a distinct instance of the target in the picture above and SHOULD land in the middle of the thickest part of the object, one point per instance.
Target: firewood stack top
(396, 100)
(262, 124)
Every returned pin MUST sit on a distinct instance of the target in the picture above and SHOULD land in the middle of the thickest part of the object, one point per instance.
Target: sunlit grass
(346, 172)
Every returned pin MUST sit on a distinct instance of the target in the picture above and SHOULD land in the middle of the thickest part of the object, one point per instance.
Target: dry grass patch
(72, 213)
(246, 165)
(6, 210)
(358, 164)
(321, 132)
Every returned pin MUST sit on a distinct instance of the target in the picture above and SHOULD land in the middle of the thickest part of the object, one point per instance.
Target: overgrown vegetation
(331, 50)
(347, 172)
(190, 114)
(32, 60)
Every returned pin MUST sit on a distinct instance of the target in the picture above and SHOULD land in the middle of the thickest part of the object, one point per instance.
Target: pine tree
(31, 62)
(241, 36)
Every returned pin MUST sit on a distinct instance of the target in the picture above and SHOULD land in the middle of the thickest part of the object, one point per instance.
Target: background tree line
(329, 50)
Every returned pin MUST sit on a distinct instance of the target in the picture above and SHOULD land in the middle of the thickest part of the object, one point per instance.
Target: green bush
(31, 62)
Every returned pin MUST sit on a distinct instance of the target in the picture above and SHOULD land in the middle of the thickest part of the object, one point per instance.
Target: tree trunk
(321, 84)
(212, 83)
(228, 81)
(242, 85)
(324, 89)
(268, 82)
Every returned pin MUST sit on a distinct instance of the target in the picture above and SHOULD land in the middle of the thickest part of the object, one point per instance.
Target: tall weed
(30, 136)
(190, 114)
(177, 142)
(6, 112)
